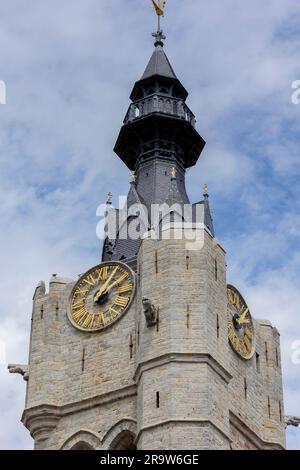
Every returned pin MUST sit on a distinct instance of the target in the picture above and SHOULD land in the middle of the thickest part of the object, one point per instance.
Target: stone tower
(152, 349)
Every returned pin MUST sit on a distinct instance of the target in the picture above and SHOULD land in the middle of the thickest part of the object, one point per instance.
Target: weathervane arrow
(159, 6)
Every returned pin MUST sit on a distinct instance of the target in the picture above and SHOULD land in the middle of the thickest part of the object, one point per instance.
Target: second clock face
(240, 324)
(101, 296)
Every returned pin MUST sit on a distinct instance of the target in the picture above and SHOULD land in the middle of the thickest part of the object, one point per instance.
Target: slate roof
(159, 65)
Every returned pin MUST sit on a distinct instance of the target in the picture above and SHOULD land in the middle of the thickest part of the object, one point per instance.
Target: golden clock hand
(121, 278)
(244, 322)
(103, 288)
(241, 319)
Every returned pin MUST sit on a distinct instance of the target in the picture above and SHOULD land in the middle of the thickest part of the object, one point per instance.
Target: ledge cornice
(238, 424)
(196, 358)
(41, 419)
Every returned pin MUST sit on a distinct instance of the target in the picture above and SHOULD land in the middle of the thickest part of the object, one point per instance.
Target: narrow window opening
(187, 262)
(157, 400)
(156, 262)
(216, 270)
(130, 347)
(266, 352)
(277, 357)
(188, 316)
(82, 359)
(218, 327)
(42, 312)
(245, 388)
(56, 309)
(138, 334)
(139, 275)
(157, 319)
(280, 411)
(269, 407)
(257, 363)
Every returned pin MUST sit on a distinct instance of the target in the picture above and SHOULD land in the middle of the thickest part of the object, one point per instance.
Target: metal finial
(109, 198)
(159, 6)
(133, 177)
(205, 190)
(173, 173)
(159, 38)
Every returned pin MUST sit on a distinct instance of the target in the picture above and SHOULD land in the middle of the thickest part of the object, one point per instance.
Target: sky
(69, 67)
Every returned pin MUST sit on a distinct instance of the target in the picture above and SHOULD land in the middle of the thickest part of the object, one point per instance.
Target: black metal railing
(162, 104)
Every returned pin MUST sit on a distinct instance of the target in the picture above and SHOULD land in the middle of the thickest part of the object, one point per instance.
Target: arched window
(82, 440)
(123, 441)
(81, 445)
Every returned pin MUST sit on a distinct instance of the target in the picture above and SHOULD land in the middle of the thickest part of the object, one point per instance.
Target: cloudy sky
(69, 66)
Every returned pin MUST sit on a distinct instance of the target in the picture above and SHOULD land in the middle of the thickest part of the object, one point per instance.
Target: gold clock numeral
(79, 314)
(102, 274)
(236, 342)
(90, 280)
(248, 333)
(82, 319)
(100, 322)
(88, 322)
(78, 303)
(113, 313)
(248, 343)
(125, 288)
(233, 298)
(79, 292)
(121, 301)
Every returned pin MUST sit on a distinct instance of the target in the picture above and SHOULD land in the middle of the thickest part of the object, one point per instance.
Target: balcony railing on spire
(161, 104)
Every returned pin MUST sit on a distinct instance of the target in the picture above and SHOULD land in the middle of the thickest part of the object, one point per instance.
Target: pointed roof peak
(159, 67)
(159, 63)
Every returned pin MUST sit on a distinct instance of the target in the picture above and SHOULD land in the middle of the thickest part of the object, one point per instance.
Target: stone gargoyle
(19, 369)
(292, 421)
(150, 312)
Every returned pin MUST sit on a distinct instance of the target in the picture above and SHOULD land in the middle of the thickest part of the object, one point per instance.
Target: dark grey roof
(159, 65)
(174, 196)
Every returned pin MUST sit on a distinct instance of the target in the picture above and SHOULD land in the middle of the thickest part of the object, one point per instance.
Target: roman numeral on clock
(88, 322)
(80, 291)
(78, 303)
(90, 280)
(100, 320)
(79, 314)
(125, 288)
(121, 301)
(102, 274)
(113, 313)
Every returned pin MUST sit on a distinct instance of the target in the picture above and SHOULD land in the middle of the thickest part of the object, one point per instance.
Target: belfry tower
(152, 349)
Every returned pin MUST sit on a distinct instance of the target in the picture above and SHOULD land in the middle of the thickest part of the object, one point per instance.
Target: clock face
(101, 296)
(240, 324)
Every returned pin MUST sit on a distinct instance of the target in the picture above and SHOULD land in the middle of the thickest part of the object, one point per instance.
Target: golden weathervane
(159, 6)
